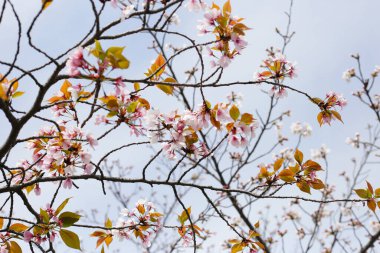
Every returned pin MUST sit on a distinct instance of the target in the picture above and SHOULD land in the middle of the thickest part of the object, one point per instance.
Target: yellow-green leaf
(287, 175)
(298, 155)
(17, 94)
(108, 223)
(136, 86)
(277, 164)
(371, 205)
(71, 239)
(227, 8)
(246, 118)
(303, 186)
(168, 89)
(236, 248)
(61, 206)
(363, 193)
(18, 227)
(69, 218)
(234, 112)
(337, 115)
(14, 247)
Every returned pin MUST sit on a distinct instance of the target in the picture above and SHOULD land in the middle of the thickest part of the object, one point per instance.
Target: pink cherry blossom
(75, 62)
(68, 183)
(196, 5)
(28, 236)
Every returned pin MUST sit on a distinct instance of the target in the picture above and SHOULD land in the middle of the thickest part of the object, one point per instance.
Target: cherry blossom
(75, 62)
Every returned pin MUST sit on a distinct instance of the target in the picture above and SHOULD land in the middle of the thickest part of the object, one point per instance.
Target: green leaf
(234, 112)
(184, 217)
(132, 107)
(61, 206)
(71, 239)
(115, 56)
(44, 215)
(108, 223)
(363, 193)
(68, 219)
(17, 94)
(111, 114)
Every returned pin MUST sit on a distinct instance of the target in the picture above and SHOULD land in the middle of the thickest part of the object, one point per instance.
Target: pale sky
(327, 32)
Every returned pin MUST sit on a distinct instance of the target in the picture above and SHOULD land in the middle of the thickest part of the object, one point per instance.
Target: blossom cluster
(61, 152)
(350, 73)
(64, 101)
(328, 106)
(182, 128)
(142, 222)
(113, 58)
(354, 141)
(229, 32)
(277, 68)
(8, 89)
(43, 235)
(303, 174)
(51, 223)
(125, 107)
(320, 153)
(299, 129)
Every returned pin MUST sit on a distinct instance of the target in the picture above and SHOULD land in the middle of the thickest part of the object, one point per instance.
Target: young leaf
(136, 86)
(46, 3)
(17, 94)
(337, 115)
(44, 215)
(61, 206)
(370, 189)
(363, 193)
(184, 217)
(287, 175)
(236, 248)
(298, 155)
(246, 118)
(377, 193)
(234, 112)
(68, 219)
(371, 205)
(320, 118)
(168, 89)
(108, 223)
(18, 227)
(14, 247)
(303, 186)
(71, 239)
(227, 8)
(277, 164)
